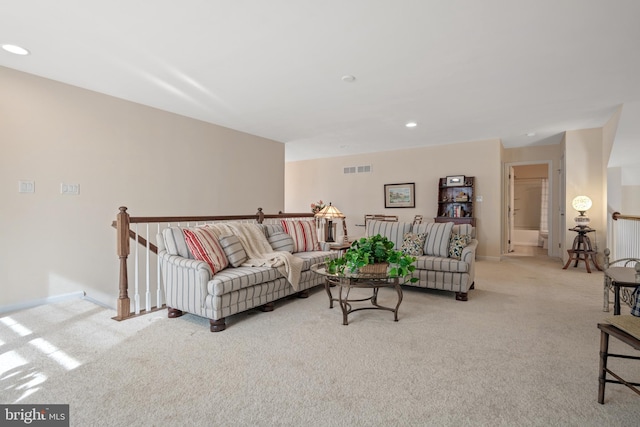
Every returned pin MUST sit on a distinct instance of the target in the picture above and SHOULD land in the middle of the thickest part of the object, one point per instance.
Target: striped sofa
(190, 286)
(445, 252)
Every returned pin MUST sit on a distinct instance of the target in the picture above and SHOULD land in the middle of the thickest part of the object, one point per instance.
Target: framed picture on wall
(455, 181)
(400, 195)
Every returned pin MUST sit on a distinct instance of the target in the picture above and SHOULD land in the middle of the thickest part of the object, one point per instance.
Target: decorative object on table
(372, 255)
(329, 213)
(317, 206)
(455, 181)
(400, 195)
(582, 204)
(462, 197)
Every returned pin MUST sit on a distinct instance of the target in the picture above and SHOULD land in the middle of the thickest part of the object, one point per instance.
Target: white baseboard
(40, 301)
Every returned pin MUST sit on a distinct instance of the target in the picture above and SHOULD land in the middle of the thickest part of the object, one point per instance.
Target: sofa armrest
(185, 281)
(469, 256)
(185, 263)
(469, 252)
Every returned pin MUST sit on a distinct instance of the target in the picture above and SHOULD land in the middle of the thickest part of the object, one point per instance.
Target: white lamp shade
(330, 212)
(581, 203)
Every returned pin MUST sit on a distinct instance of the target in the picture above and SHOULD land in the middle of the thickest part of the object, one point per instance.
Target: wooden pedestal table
(582, 249)
(348, 281)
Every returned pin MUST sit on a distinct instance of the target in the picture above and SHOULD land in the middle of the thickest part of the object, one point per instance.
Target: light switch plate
(72, 189)
(26, 186)
(478, 198)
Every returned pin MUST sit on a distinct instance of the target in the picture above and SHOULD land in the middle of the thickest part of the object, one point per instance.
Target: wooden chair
(380, 217)
(622, 273)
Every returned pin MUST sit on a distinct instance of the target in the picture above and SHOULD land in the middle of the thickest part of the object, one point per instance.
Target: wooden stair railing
(124, 234)
(617, 215)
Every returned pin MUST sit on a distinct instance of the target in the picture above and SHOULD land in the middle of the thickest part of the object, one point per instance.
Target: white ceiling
(464, 70)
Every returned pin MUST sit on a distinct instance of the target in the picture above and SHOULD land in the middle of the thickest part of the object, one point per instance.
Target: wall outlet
(478, 198)
(72, 189)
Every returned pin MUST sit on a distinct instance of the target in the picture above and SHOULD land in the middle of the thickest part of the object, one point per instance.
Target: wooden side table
(340, 247)
(582, 249)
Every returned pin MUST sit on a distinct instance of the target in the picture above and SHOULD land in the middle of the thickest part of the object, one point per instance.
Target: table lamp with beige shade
(329, 213)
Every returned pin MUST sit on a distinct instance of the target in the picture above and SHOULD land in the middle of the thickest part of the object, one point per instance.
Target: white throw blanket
(259, 250)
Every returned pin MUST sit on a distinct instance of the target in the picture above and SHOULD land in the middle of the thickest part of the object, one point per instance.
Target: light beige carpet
(523, 351)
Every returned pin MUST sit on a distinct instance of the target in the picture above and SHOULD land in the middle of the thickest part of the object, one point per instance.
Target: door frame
(507, 228)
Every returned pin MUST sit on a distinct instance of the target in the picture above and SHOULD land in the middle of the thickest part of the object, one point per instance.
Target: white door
(510, 209)
(562, 203)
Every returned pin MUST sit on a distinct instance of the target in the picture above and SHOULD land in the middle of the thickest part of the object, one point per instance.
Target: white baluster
(158, 280)
(148, 280)
(136, 296)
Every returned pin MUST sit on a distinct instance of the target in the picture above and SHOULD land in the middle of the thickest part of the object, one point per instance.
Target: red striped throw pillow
(204, 246)
(304, 235)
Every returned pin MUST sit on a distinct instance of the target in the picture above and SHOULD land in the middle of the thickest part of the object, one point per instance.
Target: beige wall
(359, 194)
(121, 153)
(631, 200)
(586, 175)
(538, 170)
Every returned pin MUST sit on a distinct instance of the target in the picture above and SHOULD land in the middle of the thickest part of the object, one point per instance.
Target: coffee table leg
(327, 287)
(344, 304)
(399, 291)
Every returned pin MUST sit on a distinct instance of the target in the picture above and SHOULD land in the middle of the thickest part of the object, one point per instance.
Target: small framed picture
(400, 195)
(455, 180)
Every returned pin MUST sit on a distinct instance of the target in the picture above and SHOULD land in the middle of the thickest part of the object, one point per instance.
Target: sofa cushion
(304, 234)
(271, 229)
(315, 257)
(203, 244)
(464, 229)
(234, 279)
(281, 242)
(413, 244)
(433, 263)
(438, 234)
(233, 250)
(457, 243)
(393, 231)
(174, 242)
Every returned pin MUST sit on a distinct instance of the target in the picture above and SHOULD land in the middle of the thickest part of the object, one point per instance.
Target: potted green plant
(372, 250)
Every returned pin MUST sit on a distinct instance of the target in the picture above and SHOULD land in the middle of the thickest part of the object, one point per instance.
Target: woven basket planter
(378, 268)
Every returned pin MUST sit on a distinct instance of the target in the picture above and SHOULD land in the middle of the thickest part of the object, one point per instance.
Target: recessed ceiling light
(348, 78)
(15, 49)
(531, 134)
(411, 124)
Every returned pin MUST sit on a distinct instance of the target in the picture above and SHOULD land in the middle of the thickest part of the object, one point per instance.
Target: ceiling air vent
(364, 169)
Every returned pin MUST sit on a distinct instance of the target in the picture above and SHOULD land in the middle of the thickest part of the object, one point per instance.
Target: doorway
(528, 209)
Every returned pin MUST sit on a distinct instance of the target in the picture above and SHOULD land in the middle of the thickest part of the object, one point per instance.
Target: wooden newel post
(124, 304)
